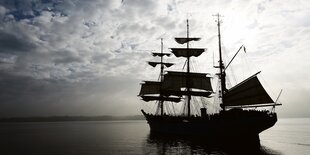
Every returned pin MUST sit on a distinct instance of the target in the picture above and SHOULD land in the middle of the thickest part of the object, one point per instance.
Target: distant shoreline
(81, 118)
(70, 118)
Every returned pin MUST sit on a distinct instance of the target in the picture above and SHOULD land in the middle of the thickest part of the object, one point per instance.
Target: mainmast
(188, 71)
(161, 61)
(174, 82)
(222, 73)
(187, 83)
(161, 102)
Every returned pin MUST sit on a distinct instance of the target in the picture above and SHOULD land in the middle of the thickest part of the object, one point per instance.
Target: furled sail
(185, 40)
(150, 87)
(185, 92)
(187, 52)
(174, 81)
(160, 98)
(153, 64)
(161, 54)
(248, 92)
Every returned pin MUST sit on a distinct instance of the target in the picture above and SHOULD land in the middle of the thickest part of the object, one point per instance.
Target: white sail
(248, 92)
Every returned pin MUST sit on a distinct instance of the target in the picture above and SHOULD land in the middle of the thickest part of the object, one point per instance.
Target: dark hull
(234, 124)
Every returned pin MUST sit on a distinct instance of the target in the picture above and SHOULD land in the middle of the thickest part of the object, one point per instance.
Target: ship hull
(227, 125)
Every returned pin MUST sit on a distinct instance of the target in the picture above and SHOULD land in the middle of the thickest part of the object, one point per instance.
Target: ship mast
(222, 74)
(152, 90)
(174, 82)
(161, 102)
(188, 71)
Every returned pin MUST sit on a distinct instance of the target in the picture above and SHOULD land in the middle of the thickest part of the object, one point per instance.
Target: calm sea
(288, 136)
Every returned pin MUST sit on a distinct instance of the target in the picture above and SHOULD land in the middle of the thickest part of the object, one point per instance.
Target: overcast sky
(78, 57)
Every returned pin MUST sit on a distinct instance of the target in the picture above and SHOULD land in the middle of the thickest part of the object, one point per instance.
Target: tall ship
(239, 115)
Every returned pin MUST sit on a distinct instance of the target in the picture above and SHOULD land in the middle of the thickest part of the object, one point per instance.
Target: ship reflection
(165, 145)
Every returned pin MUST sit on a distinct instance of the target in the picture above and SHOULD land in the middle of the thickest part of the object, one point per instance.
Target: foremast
(152, 90)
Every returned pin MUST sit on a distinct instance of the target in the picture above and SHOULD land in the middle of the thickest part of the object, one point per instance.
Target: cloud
(11, 43)
(87, 57)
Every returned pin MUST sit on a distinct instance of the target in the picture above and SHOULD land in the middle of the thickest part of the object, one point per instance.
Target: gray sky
(77, 57)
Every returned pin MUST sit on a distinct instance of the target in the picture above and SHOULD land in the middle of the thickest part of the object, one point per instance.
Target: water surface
(288, 136)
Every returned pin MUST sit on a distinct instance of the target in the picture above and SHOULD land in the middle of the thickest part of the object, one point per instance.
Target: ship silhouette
(238, 117)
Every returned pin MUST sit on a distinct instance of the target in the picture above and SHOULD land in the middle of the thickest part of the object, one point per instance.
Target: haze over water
(288, 136)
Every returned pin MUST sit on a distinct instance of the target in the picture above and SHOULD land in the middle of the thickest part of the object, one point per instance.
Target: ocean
(290, 136)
